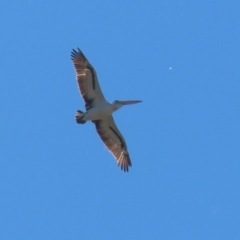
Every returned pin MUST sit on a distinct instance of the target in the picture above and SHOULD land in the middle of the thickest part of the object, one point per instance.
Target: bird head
(118, 104)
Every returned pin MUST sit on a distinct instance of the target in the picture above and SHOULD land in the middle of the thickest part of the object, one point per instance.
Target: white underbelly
(98, 112)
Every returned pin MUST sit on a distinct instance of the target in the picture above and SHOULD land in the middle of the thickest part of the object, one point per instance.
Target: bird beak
(130, 102)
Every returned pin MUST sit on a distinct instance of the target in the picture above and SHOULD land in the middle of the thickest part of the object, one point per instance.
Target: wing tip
(77, 54)
(125, 163)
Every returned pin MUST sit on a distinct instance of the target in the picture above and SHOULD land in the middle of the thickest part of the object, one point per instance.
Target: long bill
(130, 102)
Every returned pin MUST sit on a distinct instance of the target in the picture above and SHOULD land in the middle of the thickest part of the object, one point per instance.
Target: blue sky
(57, 179)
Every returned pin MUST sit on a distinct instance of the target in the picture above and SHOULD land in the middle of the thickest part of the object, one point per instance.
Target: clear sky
(57, 179)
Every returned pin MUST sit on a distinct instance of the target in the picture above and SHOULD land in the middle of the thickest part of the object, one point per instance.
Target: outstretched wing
(86, 79)
(114, 141)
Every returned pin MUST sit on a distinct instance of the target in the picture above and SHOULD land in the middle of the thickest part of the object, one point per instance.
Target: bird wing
(114, 141)
(86, 79)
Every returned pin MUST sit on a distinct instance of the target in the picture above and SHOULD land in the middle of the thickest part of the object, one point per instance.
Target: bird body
(99, 110)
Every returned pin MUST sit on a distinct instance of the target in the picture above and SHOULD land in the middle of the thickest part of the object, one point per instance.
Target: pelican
(99, 110)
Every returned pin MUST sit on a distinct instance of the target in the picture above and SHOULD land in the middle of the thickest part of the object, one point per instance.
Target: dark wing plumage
(86, 79)
(114, 141)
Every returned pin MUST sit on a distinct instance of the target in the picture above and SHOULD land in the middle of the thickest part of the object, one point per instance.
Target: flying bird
(99, 110)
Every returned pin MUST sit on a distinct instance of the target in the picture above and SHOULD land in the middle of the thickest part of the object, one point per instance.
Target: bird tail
(79, 116)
